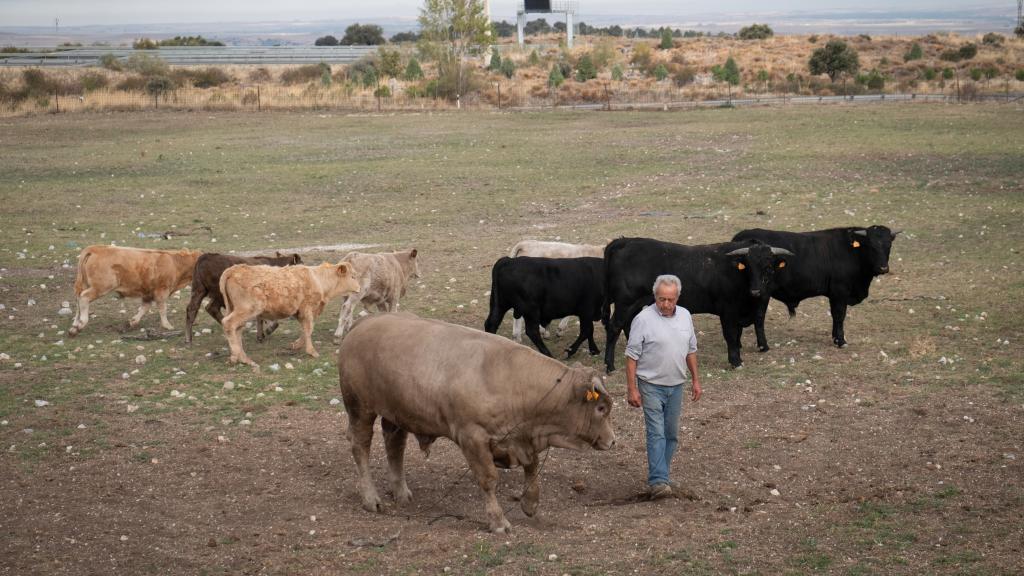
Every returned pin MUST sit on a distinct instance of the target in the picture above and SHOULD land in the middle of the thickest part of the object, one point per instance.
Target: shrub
(603, 54)
(813, 39)
(968, 51)
(158, 85)
(94, 81)
(566, 68)
(13, 50)
(390, 62)
(864, 37)
(555, 77)
(364, 71)
(147, 65)
(641, 57)
(326, 41)
(495, 64)
(260, 74)
(325, 74)
(915, 53)
(144, 44)
(405, 37)
(36, 82)
(301, 74)
(534, 58)
(209, 77)
(189, 41)
(382, 91)
(755, 32)
(683, 75)
(930, 74)
(950, 55)
(992, 39)
(977, 74)
(947, 73)
(414, 90)
(1019, 75)
(617, 73)
(132, 84)
(413, 71)
(660, 72)
(875, 81)
(508, 68)
(585, 69)
(110, 62)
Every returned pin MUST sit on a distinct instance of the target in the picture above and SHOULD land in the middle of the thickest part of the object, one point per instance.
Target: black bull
(731, 280)
(838, 263)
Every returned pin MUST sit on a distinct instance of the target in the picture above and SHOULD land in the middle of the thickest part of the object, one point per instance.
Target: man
(661, 341)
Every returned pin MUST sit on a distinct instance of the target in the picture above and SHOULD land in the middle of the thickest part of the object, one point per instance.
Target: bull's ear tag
(592, 395)
(740, 265)
(782, 264)
(856, 244)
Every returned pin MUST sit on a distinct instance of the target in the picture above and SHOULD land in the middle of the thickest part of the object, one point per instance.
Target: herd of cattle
(502, 403)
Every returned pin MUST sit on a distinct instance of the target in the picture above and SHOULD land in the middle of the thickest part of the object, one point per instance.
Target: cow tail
(228, 307)
(516, 250)
(81, 280)
(606, 304)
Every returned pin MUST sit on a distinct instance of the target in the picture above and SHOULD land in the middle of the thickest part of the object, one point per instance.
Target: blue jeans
(663, 405)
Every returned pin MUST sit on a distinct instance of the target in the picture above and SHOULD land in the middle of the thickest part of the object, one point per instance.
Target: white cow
(542, 249)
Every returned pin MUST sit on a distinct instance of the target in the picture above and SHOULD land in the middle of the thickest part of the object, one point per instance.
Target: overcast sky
(82, 12)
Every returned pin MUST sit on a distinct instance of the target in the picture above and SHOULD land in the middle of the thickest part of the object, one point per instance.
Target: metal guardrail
(194, 55)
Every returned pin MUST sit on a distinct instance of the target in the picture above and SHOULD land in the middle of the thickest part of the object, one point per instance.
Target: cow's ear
(344, 269)
(413, 253)
(277, 254)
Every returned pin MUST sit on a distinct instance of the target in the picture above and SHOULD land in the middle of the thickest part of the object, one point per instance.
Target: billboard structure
(567, 7)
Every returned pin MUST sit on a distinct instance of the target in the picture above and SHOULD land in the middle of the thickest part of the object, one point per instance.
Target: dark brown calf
(206, 282)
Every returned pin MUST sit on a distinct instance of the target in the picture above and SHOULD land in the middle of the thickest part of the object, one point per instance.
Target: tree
(534, 58)
(915, 53)
(405, 37)
(835, 58)
(503, 29)
(1019, 31)
(585, 69)
(326, 41)
(363, 35)
(731, 74)
(538, 26)
(763, 76)
(617, 73)
(666, 39)
(755, 32)
(390, 62)
(452, 30)
(555, 77)
(660, 73)
(413, 71)
(495, 64)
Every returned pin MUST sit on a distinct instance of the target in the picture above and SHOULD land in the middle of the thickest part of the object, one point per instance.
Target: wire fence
(258, 98)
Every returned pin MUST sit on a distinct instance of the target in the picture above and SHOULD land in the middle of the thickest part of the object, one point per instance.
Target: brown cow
(275, 293)
(501, 402)
(206, 282)
(384, 279)
(152, 275)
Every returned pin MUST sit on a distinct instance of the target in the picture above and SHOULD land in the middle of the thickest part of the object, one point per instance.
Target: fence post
(607, 98)
(499, 95)
(56, 100)
(259, 105)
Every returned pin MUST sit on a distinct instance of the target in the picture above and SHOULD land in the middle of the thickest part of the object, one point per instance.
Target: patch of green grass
(965, 557)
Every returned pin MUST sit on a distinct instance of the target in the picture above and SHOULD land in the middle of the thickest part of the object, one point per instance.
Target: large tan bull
(273, 293)
(501, 402)
(152, 275)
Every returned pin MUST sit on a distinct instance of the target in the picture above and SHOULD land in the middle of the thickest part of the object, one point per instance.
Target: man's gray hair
(668, 280)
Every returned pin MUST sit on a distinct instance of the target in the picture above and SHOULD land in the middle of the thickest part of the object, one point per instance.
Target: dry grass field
(901, 454)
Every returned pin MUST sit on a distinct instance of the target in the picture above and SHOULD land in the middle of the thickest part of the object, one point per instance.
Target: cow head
(291, 259)
(345, 280)
(587, 419)
(873, 245)
(760, 262)
(415, 263)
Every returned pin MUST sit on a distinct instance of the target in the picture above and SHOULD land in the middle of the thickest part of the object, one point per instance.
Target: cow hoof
(403, 496)
(373, 505)
(502, 527)
(764, 348)
(73, 331)
(595, 352)
(529, 507)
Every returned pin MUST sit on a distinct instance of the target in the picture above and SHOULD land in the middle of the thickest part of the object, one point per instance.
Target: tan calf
(384, 279)
(274, 293)
(152, 275)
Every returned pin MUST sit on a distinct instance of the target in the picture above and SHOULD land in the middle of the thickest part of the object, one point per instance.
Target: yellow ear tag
(782, 264)
(856, 244)
(741, 266)
(592, 395)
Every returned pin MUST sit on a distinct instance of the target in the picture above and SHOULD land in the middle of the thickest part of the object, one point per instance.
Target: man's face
(666, 297)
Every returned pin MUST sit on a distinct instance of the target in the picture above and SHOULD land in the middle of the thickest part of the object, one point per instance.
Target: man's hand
(633, 396)
(696, 391)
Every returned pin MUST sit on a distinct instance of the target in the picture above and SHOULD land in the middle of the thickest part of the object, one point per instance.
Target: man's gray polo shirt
(660, 344)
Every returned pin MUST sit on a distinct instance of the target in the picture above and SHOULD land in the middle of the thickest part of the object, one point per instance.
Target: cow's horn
(861, 232)
(895, 232)
(739, 252)
(781, 252)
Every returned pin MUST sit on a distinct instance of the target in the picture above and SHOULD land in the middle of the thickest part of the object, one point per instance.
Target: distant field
(899, 454)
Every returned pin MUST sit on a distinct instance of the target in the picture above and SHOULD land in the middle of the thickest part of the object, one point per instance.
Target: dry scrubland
(901, 454)
(776, 65)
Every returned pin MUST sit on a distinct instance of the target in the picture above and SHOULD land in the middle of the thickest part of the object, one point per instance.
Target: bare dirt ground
(900, 454)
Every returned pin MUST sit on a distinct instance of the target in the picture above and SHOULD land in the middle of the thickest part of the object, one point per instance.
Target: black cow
(839, 264)
(730, 280)
(542, 289)
(206, 282)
